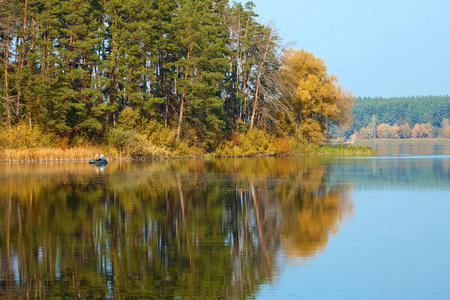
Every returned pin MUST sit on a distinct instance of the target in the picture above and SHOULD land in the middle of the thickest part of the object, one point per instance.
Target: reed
(338, 150)
(86, 153)
(57, 154)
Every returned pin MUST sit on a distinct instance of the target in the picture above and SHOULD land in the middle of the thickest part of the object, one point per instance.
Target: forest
(156, 77)
(403, 117)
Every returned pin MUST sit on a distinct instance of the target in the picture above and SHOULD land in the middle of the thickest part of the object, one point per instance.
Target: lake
(264, 228)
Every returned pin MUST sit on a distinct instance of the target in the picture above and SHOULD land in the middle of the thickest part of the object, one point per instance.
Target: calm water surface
(264, 228)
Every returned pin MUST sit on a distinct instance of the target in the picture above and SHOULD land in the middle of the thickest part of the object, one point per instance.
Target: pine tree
(8, 29)
(78, 46)
(201, 67)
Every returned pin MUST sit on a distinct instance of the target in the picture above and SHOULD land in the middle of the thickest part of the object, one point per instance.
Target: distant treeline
(411, 110)
(403, 116)
(405, 131)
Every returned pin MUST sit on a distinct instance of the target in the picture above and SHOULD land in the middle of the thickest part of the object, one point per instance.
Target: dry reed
(56, 154)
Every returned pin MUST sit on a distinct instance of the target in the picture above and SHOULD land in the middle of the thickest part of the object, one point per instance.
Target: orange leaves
(313, 95)
(422, 131)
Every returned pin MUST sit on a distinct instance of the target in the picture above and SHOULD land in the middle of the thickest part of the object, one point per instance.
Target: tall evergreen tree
(78, 46)
(8, 29)
(201, 66)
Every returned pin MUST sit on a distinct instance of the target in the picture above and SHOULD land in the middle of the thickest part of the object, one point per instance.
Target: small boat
(98, 162)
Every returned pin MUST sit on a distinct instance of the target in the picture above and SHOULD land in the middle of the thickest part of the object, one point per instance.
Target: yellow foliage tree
(363, 133)
(395, 132)
(447, 132)
(405, 131)
(314, 98)
(416, 133)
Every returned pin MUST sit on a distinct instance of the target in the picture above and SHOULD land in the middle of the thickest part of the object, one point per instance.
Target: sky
(376, 48)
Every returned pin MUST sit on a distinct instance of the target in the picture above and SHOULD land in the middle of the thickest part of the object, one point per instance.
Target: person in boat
(102, 157)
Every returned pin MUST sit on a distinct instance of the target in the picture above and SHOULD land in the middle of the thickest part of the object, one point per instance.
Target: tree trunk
(180, 118)
(29, 117)
(183, 97)
(8, 111)
(258, 81)
(21, 56)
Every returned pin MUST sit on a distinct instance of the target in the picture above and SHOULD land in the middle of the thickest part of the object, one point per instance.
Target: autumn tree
(314, 97)
(405, 131)
(447, 132)
(416, 132)
(386, 131)
(444, 129)
(383, 131)
(428, 130)
(395, 131)
(363, 133)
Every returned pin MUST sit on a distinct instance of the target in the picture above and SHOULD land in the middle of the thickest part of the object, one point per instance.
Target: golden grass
(56, 154)
(338, 150)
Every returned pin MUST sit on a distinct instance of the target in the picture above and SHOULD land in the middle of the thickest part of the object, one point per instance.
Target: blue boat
(98, 162)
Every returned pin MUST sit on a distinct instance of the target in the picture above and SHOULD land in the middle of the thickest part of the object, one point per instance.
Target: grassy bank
(55, 154)
(339, 150)
(22, 144)
(86, 153)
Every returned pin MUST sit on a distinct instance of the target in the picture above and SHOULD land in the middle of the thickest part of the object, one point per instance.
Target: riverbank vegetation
(158, 78)
(341, 150)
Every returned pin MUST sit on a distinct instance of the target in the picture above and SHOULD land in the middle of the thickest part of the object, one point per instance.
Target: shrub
(284, 146)
(21, 136)
(128, 118)
(134, 144)
(227, 148)
(158, 134)
(119, 138)
(254, 142)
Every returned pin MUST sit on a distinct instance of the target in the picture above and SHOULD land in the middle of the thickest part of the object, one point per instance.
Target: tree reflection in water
(182, 228)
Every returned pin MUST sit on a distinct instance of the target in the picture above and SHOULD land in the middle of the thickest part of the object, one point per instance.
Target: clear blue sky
(385, 48)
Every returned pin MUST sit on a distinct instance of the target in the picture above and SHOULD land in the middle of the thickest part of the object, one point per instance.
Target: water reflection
(424, 172)
(410, 147)
(188, 228)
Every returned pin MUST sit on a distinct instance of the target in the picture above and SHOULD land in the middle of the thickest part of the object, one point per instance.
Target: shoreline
(79, 154)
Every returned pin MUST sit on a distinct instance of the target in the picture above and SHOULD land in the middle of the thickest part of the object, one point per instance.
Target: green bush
(119, 138)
